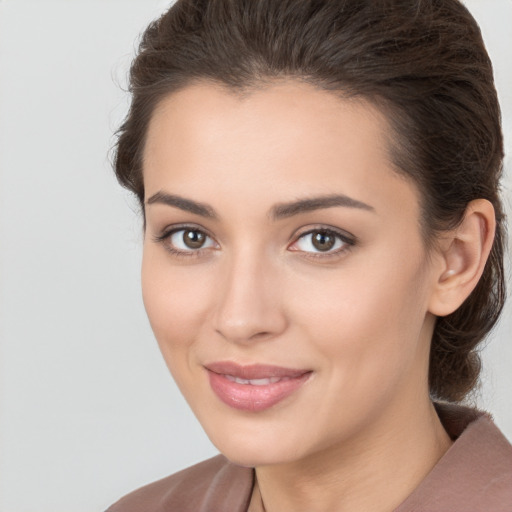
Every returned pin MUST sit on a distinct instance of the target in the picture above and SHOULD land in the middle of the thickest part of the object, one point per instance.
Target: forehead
(275, 143)
(267, 119)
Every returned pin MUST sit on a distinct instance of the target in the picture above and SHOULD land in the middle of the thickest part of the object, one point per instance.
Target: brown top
(474, 475)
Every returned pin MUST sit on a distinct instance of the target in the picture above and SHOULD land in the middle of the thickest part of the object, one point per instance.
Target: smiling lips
(255, 387)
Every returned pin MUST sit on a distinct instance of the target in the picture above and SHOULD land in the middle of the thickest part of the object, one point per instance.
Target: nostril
(260, 335)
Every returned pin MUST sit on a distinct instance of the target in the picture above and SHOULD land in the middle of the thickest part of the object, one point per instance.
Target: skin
(360, 317)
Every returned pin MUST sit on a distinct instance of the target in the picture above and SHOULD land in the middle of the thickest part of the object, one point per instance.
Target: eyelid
(173, 228)
(168, 231)
(344, 235)
(348, 240)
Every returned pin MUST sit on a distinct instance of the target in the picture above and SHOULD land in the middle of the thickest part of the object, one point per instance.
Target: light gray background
(88, 411)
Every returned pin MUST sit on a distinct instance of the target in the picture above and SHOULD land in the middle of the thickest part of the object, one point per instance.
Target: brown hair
(422, 61)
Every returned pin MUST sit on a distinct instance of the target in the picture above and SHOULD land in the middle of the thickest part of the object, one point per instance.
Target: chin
(254, 449)
(255, 458)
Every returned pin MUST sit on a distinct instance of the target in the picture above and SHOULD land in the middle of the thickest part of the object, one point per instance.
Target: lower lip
(247, 397)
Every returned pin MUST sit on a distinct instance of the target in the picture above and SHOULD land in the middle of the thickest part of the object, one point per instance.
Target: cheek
(364, 333)
(367, 319)
(175, 301)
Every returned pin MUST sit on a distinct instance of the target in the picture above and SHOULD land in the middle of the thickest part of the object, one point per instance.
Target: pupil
(193, 239)
(323, 241)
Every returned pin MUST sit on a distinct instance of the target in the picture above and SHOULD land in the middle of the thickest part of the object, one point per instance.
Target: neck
(374, 472)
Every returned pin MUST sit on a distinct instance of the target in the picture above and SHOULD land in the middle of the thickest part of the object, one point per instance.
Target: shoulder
(214, 484)
(474, 474)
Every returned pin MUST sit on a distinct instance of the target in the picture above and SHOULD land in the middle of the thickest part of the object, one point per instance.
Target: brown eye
(323, 240)
(187, 240)
(193, 239)
(318, 241)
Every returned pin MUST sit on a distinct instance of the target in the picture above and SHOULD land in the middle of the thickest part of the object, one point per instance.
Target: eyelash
(348, 242)
(166, 235)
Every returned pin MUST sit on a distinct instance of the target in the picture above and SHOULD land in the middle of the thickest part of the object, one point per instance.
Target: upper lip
(254, 371)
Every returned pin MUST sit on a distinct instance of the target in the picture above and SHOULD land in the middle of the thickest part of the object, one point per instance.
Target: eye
(185, 241)
(190, 239)
(322, 240)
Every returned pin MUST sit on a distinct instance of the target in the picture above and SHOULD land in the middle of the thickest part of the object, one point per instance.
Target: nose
(249, 304)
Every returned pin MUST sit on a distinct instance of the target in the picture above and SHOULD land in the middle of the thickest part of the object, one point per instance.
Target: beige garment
(474, 475)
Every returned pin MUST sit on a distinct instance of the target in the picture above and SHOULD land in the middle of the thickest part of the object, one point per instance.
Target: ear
(463, 254)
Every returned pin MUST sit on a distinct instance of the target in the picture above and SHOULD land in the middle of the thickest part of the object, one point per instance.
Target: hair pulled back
(423, 62)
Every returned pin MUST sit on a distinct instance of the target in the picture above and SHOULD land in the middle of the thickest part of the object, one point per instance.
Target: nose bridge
(248, 305)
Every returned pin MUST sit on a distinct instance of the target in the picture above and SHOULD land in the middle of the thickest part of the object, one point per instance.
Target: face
(284, 272)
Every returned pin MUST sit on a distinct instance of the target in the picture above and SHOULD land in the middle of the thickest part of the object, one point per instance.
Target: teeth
(262, 382)
(255, 382)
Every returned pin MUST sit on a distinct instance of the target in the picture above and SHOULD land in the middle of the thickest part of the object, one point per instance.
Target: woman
(323, 250)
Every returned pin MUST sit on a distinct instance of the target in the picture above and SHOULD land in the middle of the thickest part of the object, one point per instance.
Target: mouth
(255, 387)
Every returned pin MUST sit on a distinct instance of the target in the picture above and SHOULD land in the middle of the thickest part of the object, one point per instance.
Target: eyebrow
(283, 210)
(279, 211)
(187, 205)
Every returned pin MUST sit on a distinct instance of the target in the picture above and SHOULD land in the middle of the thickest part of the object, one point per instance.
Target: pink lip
(254, 397)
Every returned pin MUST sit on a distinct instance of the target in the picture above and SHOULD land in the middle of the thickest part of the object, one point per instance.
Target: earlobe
(463, 257)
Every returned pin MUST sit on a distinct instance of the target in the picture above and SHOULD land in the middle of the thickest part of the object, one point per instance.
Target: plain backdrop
(88, 410)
